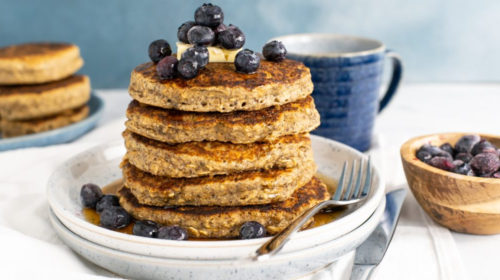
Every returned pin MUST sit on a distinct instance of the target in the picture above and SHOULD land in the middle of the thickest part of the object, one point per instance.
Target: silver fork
(345, 194)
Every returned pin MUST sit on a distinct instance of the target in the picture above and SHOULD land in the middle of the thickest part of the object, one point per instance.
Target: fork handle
(276, 243)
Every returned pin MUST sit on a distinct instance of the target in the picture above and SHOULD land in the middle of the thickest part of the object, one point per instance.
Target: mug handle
(397, 72)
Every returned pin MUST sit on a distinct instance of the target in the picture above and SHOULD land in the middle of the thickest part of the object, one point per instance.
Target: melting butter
(215, 54)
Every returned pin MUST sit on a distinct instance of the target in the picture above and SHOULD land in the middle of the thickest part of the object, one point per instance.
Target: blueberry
(465, 157)
(448, 148)
(172, 233)
(424, 151)
(201, 35)
(115, 217)
(166, 67)
(465, 143)
(183, 30)
(483, 146)
(145, 228)
(485, 163)
(247, 61)
(209, 15)
(198, 53)
(107, 201)
(231, 38)
(443, 163)
(159, 49)
(274, 51)
(463, 169)
(250, 230)
(188, 68)
(90, 194)
(424, 156)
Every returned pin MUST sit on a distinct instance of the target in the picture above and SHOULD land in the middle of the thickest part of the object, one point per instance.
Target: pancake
(35, 101)
(18, 128)
(225, 222)
(173, 126)
(36, 63)
(249, 187)
(219, 88)
(194, 159)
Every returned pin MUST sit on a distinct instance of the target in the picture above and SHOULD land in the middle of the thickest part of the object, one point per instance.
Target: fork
(345, 194)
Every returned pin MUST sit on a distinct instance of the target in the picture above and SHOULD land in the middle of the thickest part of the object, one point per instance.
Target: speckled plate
(100, 165)
(59, 135)
(331, 260)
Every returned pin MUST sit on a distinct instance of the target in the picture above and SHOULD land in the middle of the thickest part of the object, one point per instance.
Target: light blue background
(449, 40)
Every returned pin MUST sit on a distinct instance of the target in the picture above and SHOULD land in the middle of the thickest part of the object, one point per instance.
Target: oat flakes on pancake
(195, 159)
(219, 88)
(225, 222)
(249, 187)
(35, 63)
(36, 101)
(173, 126)
(18, 128)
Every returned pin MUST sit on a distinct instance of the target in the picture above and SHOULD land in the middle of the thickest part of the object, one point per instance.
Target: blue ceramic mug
(347, 74)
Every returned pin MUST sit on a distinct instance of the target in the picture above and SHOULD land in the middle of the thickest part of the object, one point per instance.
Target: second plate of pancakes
(43, 100)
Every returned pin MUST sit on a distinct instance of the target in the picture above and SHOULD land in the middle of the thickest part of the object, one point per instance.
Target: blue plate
(59, 135)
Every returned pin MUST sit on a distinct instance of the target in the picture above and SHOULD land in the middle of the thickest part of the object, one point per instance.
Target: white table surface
(417, 109)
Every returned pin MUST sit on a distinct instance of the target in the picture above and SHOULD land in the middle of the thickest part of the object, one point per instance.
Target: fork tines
(353, 189)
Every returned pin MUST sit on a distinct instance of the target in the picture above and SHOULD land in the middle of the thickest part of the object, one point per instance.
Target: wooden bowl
(461, 203)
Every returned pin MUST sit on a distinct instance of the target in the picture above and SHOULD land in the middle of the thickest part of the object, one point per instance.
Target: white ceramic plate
(300, 264)
(100, 165)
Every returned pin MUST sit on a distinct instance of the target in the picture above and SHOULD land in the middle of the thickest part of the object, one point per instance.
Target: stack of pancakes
(224, 148)
(38, 88)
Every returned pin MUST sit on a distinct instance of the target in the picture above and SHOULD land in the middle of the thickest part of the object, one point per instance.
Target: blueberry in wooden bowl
(461, 200)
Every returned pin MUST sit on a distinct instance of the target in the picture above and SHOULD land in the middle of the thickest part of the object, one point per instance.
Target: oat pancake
(225, 222)
(36, 101)
(36, 63)
(194, 159)
(18, 128)
(249, 187)
(173, 126)
(219, 88)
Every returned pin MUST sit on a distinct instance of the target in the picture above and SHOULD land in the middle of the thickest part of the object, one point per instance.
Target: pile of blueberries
(208, 29)
(471, 156)
(113, 216)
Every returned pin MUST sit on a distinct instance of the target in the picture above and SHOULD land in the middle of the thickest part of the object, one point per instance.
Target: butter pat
(215, 54)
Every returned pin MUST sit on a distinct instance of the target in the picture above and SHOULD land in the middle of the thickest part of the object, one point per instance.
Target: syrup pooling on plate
(319, 219)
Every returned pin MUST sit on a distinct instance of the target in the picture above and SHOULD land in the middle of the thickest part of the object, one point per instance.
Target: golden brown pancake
(36, 101)
(173, 126)
(35, 63)
(194, 159)
(219, 88)
(18, 128)
(225, 222)
(248, 187)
